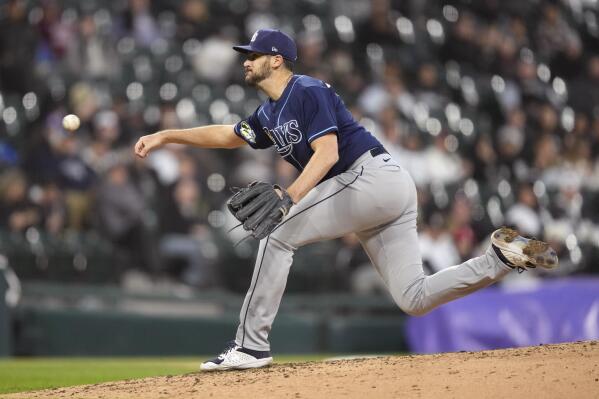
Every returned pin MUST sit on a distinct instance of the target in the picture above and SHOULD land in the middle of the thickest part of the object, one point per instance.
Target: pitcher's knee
(411, 306)
(415, 310)
(286, 236)
(282, 241)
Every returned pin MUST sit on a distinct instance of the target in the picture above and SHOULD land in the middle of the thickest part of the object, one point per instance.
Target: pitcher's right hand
(148, 143)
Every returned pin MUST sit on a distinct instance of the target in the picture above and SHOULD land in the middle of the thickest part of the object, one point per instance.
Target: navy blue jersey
(307, 110)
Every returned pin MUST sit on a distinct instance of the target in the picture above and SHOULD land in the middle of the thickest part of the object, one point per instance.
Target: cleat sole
(524, 252)
(506, 234)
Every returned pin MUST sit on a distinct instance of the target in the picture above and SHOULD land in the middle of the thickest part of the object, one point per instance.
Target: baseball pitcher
(348, 183)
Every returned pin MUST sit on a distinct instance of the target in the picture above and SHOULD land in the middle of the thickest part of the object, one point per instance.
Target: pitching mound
(548, 371)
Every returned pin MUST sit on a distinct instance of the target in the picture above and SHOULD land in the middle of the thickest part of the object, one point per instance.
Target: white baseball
(70, 122)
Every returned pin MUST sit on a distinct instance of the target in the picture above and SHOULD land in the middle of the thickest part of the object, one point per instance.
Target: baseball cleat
(522, 253)
(234, 357)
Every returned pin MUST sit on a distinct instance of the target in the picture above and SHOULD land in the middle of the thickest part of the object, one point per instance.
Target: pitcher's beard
(258, 76)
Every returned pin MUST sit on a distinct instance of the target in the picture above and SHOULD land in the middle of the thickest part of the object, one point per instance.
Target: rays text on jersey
(285, 136)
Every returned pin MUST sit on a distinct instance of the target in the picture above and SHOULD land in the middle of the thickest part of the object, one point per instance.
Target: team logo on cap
(247, 132)
(273, 48)
(254, 36)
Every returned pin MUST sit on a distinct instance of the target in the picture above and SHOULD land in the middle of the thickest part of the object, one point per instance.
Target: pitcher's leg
(322, 214)
(264, 296)
(359, 199)
(394, 250)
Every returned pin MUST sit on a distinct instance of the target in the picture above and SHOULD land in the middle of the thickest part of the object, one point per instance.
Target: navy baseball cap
(271, 41)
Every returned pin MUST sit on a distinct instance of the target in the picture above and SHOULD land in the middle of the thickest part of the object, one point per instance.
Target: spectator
(53, 209)
(554, 34)
(460, 216)
(140, 22)
(585, 88)
(524, 214)
(17, 49)
(17, 212)
(89, 54)
(186, 235)
(76, 178)
(436, 245)
(121, 218)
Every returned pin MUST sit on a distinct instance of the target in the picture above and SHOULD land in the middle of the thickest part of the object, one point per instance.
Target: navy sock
(256, 354)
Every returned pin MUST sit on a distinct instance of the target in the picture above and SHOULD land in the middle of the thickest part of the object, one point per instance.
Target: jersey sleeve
(319, 112)
(250, 130)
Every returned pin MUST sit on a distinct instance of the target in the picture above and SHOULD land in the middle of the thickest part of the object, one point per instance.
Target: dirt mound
(547, 371)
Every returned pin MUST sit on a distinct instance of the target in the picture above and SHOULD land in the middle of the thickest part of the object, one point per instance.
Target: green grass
(18, 375)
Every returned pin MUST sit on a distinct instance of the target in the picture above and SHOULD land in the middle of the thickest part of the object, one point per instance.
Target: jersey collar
(285, 93)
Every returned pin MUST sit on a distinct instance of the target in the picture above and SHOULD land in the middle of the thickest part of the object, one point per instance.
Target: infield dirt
(547, 371)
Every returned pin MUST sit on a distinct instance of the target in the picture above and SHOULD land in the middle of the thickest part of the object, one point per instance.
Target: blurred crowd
(492, 106)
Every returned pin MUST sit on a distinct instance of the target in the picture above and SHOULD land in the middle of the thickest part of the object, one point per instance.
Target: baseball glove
(260, 207)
